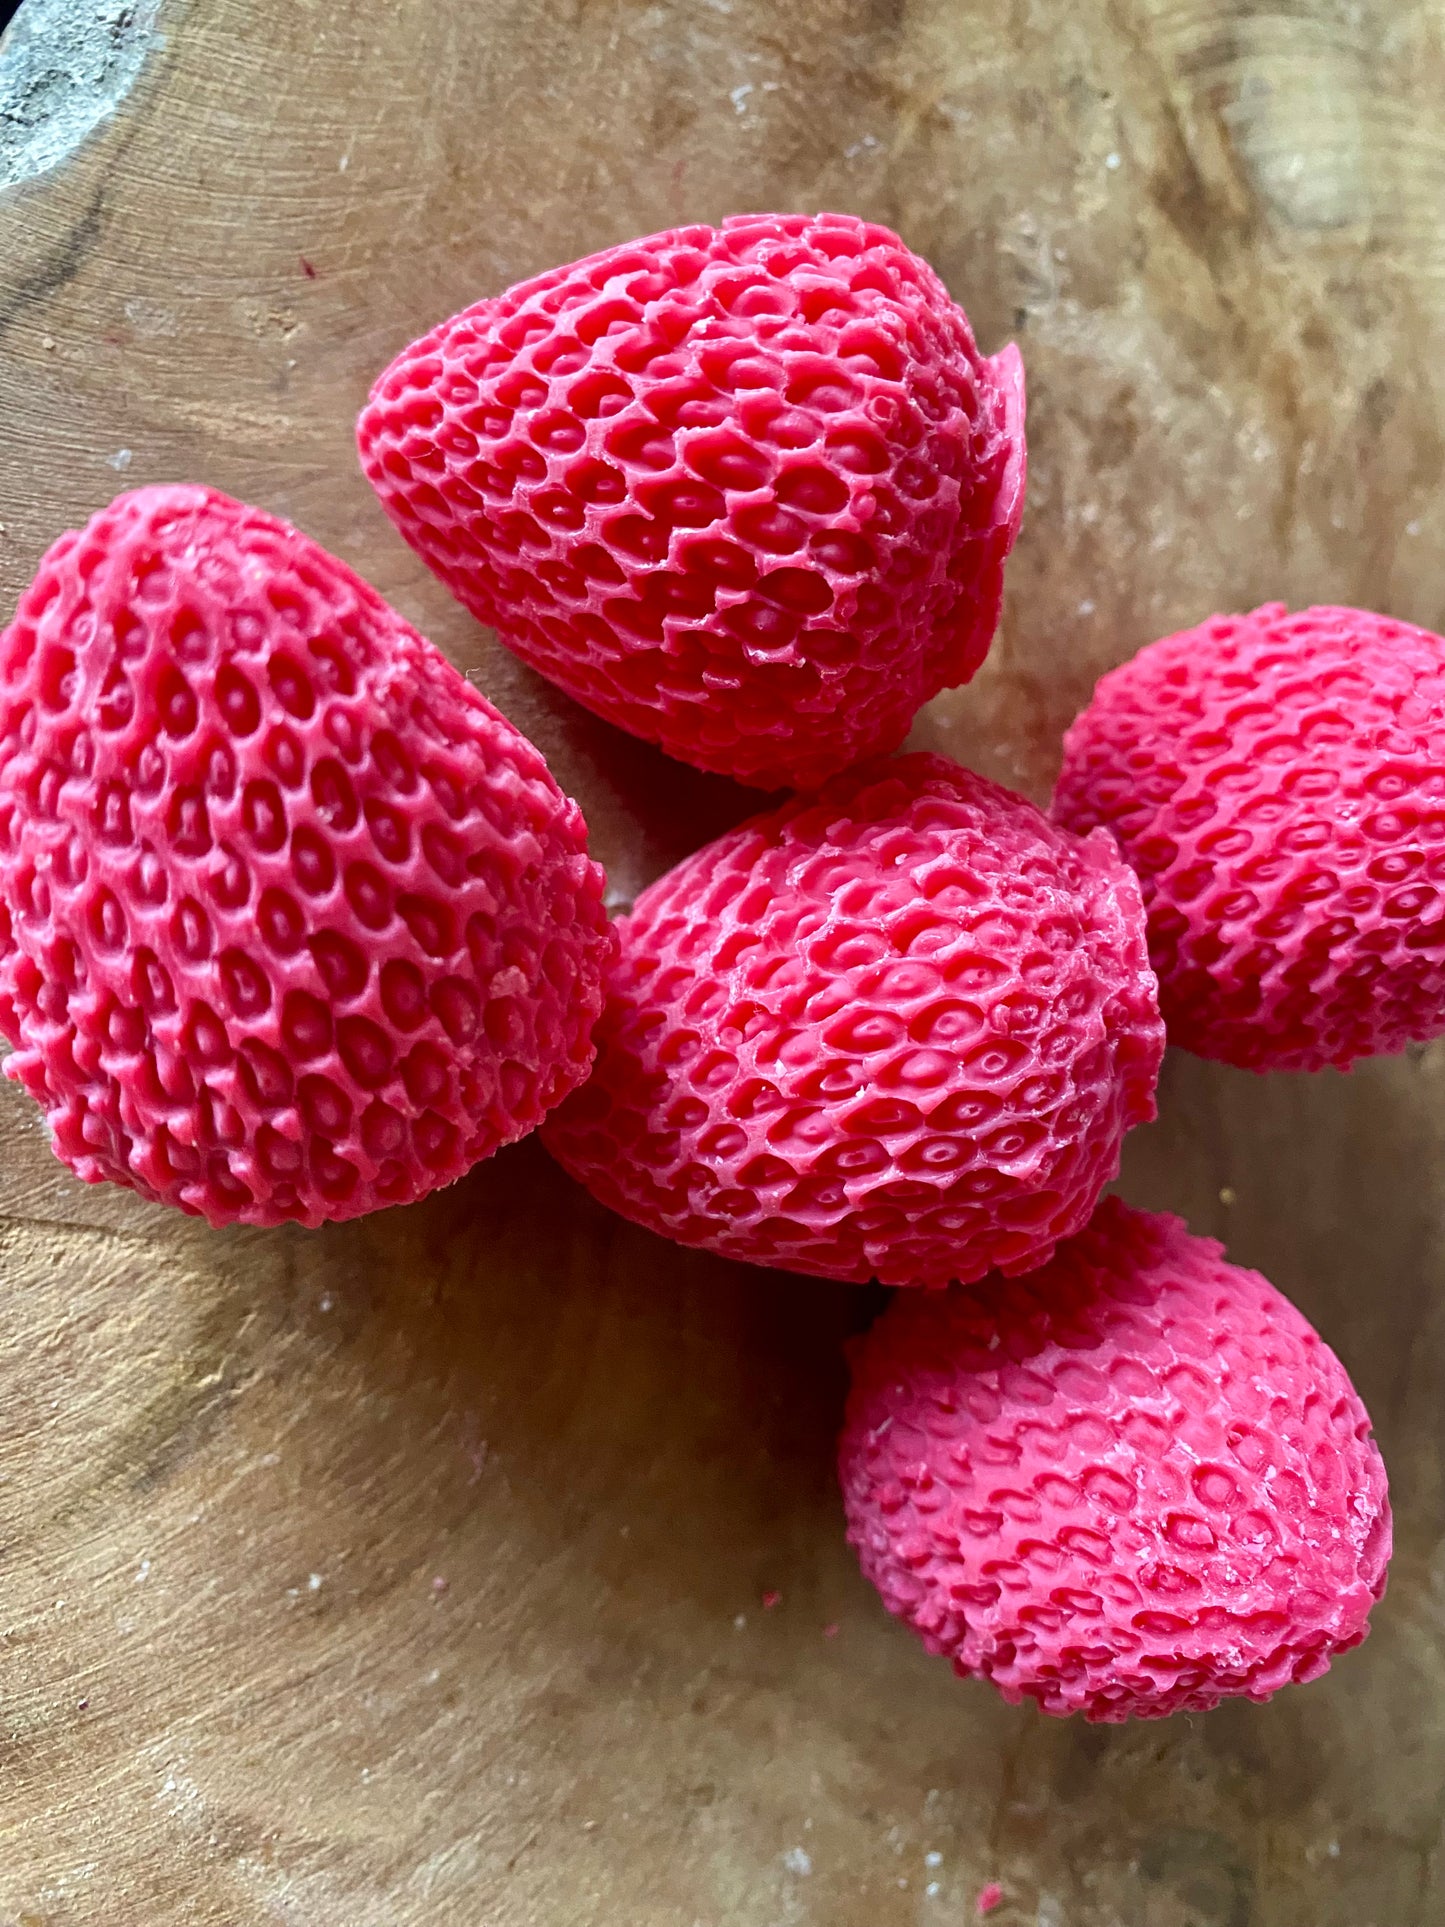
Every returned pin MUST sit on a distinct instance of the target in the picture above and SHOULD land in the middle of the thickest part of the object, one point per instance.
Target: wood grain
(412, 1572)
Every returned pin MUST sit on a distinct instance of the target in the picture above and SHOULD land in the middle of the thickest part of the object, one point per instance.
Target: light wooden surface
(414, 1571)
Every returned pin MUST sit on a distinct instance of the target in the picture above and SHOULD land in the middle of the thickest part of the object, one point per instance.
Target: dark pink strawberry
(292, 923)
(746, 491)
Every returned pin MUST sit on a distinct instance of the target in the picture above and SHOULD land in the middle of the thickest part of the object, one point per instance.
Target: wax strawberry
(293, 923)
(1133, 1483)
(1278, 782)
(897, 1029)
(746, 491)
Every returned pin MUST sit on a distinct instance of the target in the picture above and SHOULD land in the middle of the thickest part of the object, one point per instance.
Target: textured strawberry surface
(746, 490)
(1134, 1483)
(898, 1029)
(292, 923)
(1278, 782)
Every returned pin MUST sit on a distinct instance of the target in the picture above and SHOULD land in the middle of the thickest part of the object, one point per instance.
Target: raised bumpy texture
(895, 1030)
(292, 923)
(1278, 782)
(746, 491)
(1135, 1483)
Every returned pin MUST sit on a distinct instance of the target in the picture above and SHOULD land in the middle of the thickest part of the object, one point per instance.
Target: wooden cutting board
(481, 1562)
